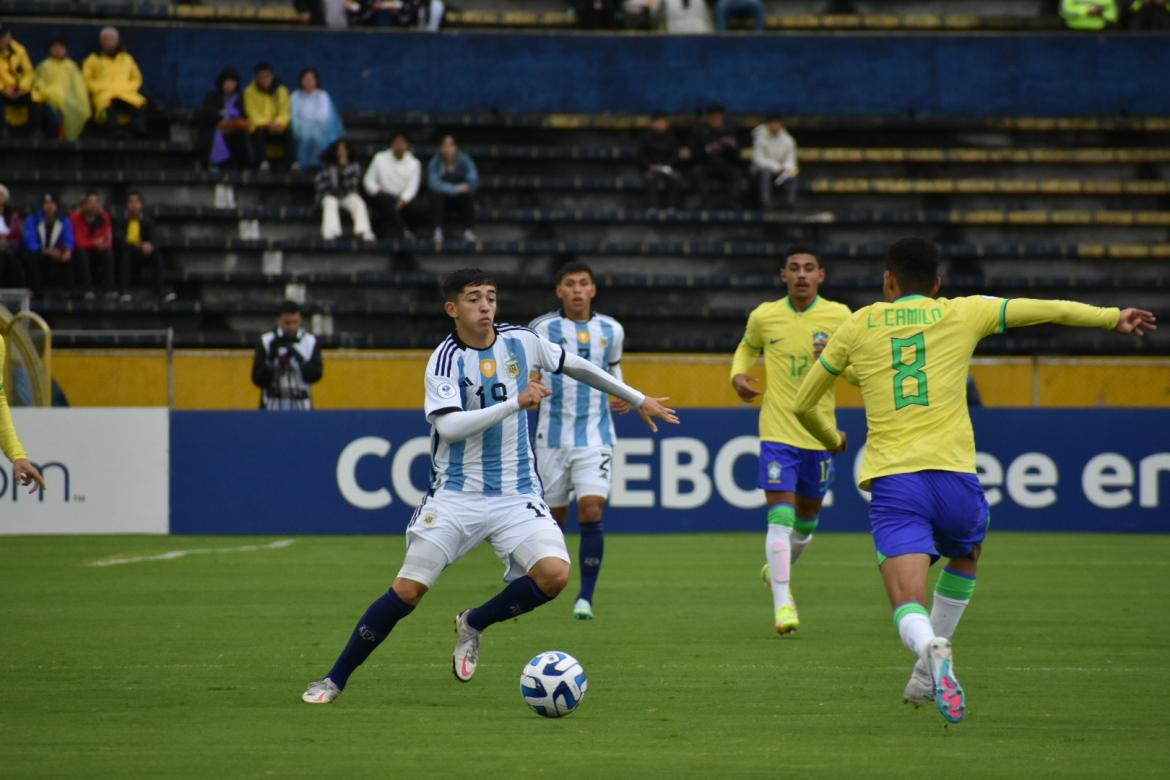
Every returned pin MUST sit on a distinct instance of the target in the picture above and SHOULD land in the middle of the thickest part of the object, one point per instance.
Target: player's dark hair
(135, 194)
(802, 249)
(574, 267)
(914, 263)
(289, 307)
(456, 281)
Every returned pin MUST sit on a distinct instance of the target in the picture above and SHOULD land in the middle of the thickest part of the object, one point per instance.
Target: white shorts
(580, 471)
(520, 528)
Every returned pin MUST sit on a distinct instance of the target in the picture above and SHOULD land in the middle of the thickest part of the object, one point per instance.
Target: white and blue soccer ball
(553, 684)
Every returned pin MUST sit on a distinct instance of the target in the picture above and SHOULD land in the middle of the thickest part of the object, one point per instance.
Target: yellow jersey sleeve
(1022, 312)
(809, 406)
(9, 441)
(750, 346)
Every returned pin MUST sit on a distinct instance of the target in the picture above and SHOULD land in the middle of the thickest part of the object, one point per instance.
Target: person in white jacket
(774, 161)
(392, 182)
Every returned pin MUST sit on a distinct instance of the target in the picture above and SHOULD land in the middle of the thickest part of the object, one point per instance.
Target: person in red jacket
(11, 262)
(93, 237)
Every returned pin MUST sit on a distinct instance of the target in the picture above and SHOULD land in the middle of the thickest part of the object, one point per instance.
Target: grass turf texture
(193, 667)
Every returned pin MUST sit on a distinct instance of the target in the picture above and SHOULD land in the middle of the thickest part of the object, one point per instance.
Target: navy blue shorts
(788, 469)
(940, 513)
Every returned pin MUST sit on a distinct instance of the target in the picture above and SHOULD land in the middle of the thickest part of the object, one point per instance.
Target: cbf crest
(774, 471)
(820, 339)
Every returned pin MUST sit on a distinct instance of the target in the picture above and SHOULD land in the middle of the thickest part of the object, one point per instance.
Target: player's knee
(409, 591)
(590, 509)
(551, 575)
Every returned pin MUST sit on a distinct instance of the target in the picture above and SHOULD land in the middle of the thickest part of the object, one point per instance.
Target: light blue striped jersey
(499, 461)
(576, 415)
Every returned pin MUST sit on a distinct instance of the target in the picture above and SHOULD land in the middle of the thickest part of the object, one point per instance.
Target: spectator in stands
(421, 14)
(315, 121)
(774, 161)
(93, 237)
(287, 363)
(48, 240)
(224, 125)
(715, 160)
(114, 83)
(328, 13)
(453, 181)
(136, 241)
(11, 259)
(60, 87)
(1089, 14)
(598, 14)
(658, 156)
(339, 184)
(728, 9)
(392, 181)
(1148, 15)
(268, 106)
(685, 16)
(19, 109)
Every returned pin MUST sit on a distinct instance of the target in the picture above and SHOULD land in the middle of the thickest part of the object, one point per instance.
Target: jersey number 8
(913, 370)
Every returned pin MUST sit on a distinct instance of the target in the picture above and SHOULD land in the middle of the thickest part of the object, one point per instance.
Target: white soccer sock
(778, 548)
(914, 627)
(800, 543)
(945, 613)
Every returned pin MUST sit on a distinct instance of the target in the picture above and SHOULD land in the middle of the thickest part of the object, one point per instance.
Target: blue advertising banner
(364, 472)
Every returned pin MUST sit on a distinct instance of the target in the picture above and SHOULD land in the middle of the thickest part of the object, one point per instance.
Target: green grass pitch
(194, 666)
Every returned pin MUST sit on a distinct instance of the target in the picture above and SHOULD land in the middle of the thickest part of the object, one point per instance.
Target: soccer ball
(553, 684)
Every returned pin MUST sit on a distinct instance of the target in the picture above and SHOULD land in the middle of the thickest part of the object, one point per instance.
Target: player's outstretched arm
(818, 381)
(649, 409)
(462, 424)
(1022, 312)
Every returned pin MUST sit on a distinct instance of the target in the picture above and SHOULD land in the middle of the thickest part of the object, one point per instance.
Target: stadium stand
(1059, 206)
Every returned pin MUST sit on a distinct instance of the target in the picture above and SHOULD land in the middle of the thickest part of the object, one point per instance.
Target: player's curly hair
(454, 283)
(914, 263)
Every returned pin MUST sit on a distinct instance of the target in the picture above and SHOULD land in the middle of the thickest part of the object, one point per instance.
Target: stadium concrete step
(673, 249)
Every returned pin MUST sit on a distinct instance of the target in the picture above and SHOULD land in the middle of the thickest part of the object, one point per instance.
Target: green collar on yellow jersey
(908, 298)
(788, 300)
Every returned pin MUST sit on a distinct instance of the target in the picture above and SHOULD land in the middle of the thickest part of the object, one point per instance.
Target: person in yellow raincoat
(58, 84)
(17, 106)
(114, 81)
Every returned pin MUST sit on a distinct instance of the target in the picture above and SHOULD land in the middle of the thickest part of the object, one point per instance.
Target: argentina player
(574, 430)
(484, 485)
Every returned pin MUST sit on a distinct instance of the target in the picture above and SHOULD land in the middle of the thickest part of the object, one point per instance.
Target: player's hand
(533, 394)
(652, 409)
(844, 445)
(25, 473)
(743, 384)
(620, 406)
(1136, 321)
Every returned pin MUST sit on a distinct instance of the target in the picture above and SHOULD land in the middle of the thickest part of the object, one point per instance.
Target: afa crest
(512, 366)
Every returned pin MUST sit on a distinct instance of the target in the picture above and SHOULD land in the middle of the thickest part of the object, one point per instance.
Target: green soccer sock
(952, 594)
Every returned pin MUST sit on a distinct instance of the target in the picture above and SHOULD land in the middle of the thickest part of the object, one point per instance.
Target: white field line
(173, 554)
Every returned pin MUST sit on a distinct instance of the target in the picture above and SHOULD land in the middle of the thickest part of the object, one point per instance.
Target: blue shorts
(788, 469)
(933, 512)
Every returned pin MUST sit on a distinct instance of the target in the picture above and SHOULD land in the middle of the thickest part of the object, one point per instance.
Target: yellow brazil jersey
(790, 342)
(9, 442)
(911, 358)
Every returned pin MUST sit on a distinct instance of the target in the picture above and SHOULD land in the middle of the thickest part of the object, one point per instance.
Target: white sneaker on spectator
(125, 298)
(369, 237)
(89, 295)
(265, 167)
(169, 297)
(469, 236)
(438, 236)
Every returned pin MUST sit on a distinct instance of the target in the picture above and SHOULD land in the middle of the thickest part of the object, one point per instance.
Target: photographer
(287, 363)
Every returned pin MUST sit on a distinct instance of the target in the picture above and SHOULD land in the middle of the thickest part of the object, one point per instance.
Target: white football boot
(919, 688)
(466, 655)
(948, 694)
(321, 692)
